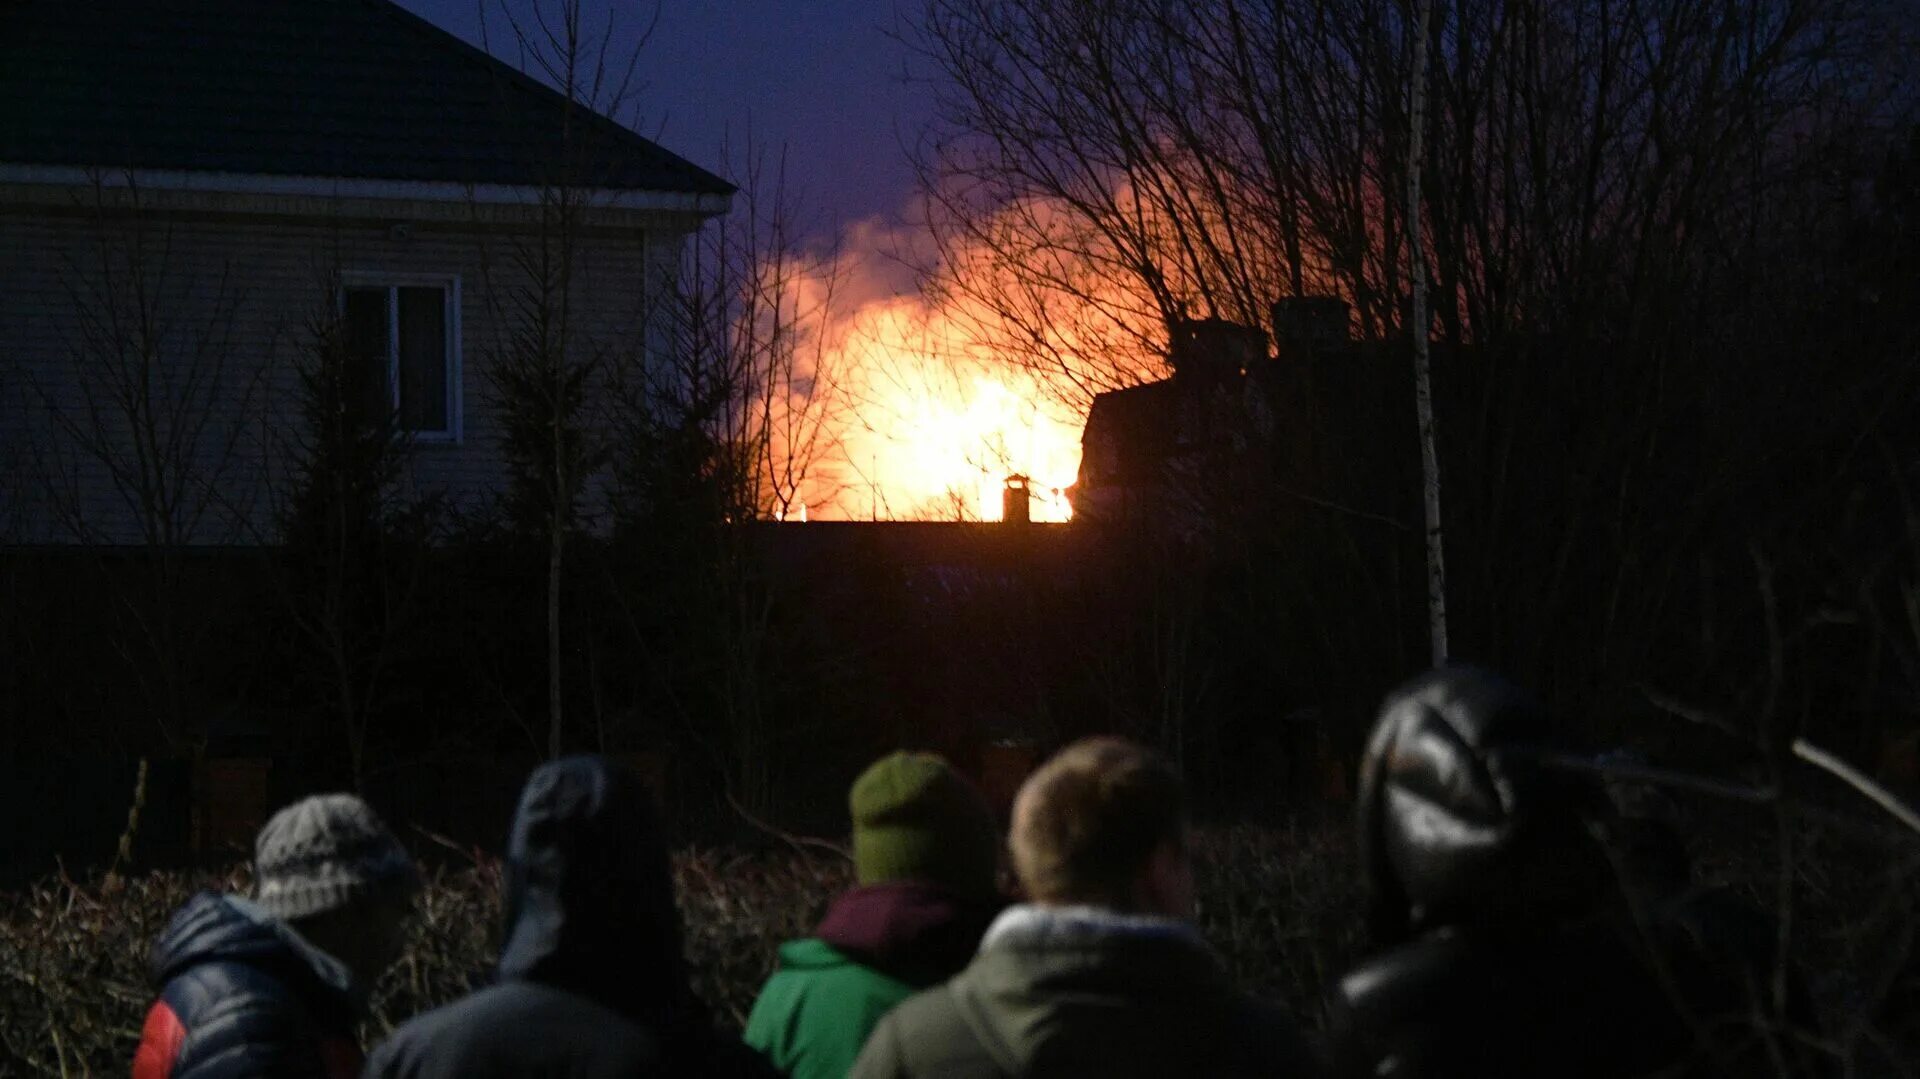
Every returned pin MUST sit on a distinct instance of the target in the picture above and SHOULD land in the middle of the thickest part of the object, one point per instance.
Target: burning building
(1231, 418)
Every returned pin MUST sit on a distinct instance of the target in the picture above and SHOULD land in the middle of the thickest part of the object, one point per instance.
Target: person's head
(589, 892)
(1461, 817)
(329, 868)
(1104, 823)
(916, 819)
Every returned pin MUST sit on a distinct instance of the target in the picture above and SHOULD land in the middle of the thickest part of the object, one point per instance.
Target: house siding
(237, 284)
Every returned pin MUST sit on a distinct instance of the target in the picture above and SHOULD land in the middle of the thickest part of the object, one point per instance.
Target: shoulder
(207, 986)
(518, 1027)
(833, 977)
(231, 991)
(1403, 1003)
(834, 987)
(416, 1040)
(1417, 976)
(884, 1054)
(235, 1019)
(487, 1026)
(935, 1011)
(928, 1034)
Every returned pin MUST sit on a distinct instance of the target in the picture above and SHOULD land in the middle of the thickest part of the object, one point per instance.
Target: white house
(188, 188)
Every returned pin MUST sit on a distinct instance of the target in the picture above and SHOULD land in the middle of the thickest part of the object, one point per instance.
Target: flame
(920, 402)
(927, 441)
(925, 412)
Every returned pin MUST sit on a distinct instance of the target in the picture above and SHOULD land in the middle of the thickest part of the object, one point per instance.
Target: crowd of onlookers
(1528, 918)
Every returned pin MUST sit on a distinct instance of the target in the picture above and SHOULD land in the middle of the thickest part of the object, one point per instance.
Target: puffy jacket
(1084, 992)
(590, 979)
(876, 947)
(243, 995)
(1508, 946)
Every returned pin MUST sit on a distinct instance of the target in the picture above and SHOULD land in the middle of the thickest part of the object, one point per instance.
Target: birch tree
(1418, 334)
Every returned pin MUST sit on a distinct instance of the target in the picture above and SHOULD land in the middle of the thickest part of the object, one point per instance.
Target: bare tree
(149, 411)
(551, 357)
(1218, 154)
(727, 425)
(750, 358)
(1604, 194)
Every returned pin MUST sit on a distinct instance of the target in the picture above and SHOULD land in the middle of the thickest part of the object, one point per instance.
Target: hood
(215, 928)
(1459, 819)
(917, 932)
(1086, 991)
(590, 903)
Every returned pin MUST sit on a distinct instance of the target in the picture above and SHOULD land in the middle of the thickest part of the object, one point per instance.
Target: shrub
(1281, 905)
(73, 979)
(73, 955)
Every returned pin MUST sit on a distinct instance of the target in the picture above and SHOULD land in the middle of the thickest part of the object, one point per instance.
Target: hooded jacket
(590, 979)
(1507, 946)
(875, 948)
(242, 994)
(1081, 991)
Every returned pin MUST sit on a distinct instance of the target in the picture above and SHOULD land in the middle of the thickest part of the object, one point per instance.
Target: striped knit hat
(324, 852)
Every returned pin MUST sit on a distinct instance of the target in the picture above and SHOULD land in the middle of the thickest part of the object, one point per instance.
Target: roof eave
(700, 203)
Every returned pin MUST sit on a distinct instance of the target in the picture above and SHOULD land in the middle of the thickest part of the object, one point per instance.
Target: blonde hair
(1088, 821)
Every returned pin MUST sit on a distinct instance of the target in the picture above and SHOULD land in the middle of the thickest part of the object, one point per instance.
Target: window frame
(449, 284)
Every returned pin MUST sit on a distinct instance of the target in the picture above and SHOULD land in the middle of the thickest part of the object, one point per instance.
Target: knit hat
(324, 852)
(915, 818)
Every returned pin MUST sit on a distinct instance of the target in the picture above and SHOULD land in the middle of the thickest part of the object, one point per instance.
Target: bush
(1280, 904)
(73, 955)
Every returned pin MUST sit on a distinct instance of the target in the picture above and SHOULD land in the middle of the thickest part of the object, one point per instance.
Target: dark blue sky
(820, 78)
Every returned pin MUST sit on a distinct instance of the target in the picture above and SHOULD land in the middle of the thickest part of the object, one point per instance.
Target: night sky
(820, 78)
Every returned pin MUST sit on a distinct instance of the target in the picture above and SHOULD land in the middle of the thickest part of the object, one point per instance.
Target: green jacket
(1082, 992)
(817, 1009)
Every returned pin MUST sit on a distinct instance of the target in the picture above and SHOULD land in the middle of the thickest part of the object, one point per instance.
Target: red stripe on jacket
(160, 1041)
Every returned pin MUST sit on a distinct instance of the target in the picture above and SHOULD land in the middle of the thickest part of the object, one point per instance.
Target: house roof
(1140, 422)
(329, 88)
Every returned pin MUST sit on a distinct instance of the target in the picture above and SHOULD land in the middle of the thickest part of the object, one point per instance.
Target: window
(409, 330)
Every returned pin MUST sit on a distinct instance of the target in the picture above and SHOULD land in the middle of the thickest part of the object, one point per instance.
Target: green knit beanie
(915, 818)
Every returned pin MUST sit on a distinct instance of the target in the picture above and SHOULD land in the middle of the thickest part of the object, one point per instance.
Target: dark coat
(590, 979)
(1455, 1003)
(1082, 993)
(243, 995)
(1508, 944)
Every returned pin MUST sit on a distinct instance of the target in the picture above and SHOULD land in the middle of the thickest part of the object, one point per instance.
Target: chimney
(1214, 349)
(1309, 324)
(1015, 499)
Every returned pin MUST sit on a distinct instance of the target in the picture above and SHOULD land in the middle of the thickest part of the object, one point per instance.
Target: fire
(936, 446)
(929, 425)
(918, 403)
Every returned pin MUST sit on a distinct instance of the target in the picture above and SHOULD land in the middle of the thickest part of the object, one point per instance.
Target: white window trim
(246, 183)
(456, 395)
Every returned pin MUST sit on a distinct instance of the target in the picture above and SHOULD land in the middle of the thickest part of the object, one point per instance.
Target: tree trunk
(1417, 329)
(554, 542)
(349, 722)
